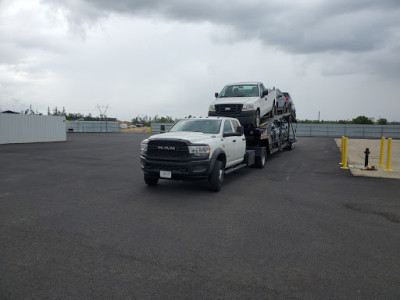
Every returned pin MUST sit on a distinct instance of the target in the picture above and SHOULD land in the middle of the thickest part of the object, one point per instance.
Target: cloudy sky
(167, 57)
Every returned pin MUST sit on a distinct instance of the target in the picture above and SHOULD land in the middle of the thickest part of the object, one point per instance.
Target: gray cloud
(350, 26)
(337, 28)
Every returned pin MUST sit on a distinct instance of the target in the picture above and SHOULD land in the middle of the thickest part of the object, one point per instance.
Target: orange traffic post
(389, 156)
(345, 154)
(382, 152)
(341, 149)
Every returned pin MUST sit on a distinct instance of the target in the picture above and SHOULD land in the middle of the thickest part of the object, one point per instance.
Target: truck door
(241, 141)
(229, 144)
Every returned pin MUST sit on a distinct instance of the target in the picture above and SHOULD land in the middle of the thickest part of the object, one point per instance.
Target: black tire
(150, 181)
(261, 159)
(217, 176)
(257, 119)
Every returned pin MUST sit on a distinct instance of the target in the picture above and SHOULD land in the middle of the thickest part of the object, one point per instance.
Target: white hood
(235, 100)
(193, 137)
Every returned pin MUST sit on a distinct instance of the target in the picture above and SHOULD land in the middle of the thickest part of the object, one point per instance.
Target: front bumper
(192, 169)
(244, 117)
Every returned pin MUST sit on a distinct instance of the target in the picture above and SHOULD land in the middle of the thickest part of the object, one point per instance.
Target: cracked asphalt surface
(77, 221)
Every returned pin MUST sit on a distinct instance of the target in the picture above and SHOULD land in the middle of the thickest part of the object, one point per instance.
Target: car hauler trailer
(208, 148)
(275, 134)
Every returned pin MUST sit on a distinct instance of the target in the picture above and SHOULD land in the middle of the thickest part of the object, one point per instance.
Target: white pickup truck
(246, 101)
(199, 148)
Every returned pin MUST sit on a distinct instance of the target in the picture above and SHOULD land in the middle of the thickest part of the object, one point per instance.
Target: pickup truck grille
(167, 149)
(228, 109)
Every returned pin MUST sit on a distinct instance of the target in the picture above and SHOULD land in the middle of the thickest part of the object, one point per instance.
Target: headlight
(211, 108)
(248, 107)
(200, 151)
(143, 147)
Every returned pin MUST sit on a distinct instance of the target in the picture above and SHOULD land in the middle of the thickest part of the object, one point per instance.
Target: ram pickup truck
(246, 101)
(198, 148)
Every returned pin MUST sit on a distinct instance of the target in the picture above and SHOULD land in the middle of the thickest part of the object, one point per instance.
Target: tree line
(146, 120)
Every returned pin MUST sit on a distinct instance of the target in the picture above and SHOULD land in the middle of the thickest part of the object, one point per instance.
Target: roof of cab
(243, 83)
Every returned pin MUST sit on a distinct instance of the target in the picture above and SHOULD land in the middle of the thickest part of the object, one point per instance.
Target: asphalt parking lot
(77, 221)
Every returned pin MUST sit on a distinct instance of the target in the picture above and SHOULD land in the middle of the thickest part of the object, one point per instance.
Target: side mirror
(240, 130)
(162, 129)
(216, 95)
(264, 93)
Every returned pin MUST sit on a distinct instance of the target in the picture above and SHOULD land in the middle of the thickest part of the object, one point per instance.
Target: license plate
(165, 174)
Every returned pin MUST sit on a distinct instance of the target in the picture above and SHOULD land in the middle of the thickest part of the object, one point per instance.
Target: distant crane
(103, 110)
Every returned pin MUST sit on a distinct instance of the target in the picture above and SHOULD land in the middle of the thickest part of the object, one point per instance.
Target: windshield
(204, 126)
(247, 90)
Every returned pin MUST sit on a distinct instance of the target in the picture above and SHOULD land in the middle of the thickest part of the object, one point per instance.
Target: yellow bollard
(341, 149)
(389, 156)
(382, 152)
(345, 154)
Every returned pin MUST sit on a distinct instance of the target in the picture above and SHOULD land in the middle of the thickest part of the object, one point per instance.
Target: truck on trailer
(209, 148)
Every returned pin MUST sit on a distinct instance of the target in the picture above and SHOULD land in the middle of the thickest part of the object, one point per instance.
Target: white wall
(17, 128)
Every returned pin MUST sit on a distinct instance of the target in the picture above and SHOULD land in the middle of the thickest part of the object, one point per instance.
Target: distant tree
(166, 119)
(382, 121)
(362, 120)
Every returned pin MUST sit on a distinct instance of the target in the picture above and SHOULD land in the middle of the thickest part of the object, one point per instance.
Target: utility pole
(103, 110)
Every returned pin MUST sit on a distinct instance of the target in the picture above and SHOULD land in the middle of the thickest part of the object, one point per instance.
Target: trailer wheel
(261, 159)
(150, 181)
(217, 176)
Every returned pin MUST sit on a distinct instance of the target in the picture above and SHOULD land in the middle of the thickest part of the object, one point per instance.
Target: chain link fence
(348, 130)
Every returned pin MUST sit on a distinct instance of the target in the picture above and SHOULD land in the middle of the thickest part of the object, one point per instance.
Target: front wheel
(256, 122)
(273, 111)
(150, 181)
(217, 176)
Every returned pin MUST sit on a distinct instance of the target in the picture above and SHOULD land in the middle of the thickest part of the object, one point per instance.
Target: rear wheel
(217, 176)
(273, 111)
(261, 159)
(150, 181)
